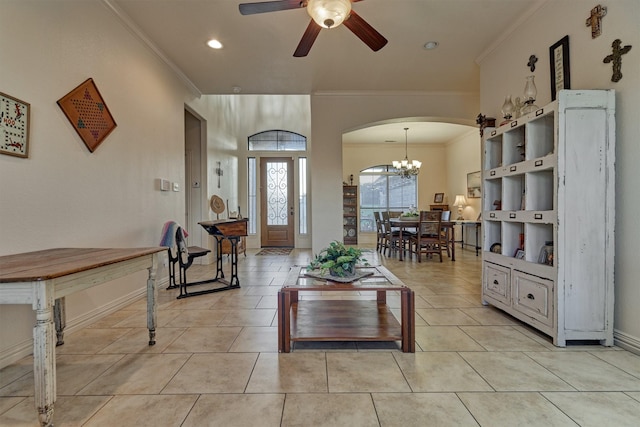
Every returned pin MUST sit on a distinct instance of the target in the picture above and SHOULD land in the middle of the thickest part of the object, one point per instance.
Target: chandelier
(406, 168)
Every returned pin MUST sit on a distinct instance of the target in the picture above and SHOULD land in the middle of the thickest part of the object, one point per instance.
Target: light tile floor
(216, 364)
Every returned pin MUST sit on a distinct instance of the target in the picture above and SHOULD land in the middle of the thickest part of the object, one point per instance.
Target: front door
(276, 196)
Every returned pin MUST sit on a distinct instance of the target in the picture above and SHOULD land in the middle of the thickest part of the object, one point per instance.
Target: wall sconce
(460, 202)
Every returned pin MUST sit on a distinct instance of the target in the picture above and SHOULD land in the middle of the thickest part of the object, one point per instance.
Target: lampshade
(329, 13)
(460, 200)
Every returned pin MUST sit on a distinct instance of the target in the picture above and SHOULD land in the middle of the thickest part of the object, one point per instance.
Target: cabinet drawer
(533, 296)
(496, 283)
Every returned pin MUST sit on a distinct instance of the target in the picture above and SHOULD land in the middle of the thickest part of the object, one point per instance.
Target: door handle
(291, 211)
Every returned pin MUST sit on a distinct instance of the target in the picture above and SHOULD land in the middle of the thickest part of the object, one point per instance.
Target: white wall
(463, 157)
(503, 72)
(63, 195)
(231, 119)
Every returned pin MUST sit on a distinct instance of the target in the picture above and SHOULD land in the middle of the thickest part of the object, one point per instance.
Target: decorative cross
(616, 58)
(595, 20)
(532, 63)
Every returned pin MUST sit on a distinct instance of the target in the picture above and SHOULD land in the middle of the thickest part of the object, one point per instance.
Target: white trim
(627, 342)
(12, 354)
(515, 26)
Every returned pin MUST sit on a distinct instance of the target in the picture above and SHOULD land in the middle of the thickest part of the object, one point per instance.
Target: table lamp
(460, 203)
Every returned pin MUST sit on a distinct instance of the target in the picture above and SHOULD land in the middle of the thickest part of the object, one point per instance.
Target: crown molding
(136, 31)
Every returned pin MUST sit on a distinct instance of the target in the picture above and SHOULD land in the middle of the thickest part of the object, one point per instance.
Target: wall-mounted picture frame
(88, 114)
(15, 116)
(474, 186)
(438, 198)
(559, 63)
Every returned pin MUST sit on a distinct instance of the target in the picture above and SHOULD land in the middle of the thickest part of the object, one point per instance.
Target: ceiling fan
(324, 14)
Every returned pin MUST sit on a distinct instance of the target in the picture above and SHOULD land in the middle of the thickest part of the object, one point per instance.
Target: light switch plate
(176, 186)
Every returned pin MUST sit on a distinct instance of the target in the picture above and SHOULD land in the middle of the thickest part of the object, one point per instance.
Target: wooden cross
(595, 20)
(616, 58)
(532, 63)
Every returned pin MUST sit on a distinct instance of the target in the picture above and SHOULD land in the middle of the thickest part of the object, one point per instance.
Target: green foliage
(338, 259)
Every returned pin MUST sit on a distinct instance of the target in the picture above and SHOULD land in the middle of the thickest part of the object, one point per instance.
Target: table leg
(60, 319)
(152, 297)
(219, 271)
(44, 355)
(408, 320)
(286, 322)
(401, 245)
(234, 282)
(453, 244)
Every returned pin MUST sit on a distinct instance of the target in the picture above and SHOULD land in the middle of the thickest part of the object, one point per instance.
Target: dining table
(405, 225)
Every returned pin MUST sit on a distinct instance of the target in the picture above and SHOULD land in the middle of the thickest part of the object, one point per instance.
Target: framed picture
(439, 198)
(88, 114)
(473, 185)
(559, 63)
(14, 126)
(519, 254)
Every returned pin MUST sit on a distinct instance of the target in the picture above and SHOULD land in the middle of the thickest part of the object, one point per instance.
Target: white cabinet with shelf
(548, 180)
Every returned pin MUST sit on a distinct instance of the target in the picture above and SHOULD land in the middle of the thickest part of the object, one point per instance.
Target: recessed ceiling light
(430, 45)
(214, 44)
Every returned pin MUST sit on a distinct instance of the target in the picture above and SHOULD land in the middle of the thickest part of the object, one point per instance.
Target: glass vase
(507, 108)
(530, 93)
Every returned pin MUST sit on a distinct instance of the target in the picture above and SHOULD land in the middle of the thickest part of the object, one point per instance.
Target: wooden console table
(469, 223)
(345, 320)
(45, 277)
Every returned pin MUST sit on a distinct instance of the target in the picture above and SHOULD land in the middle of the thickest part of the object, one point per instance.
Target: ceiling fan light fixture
(329, 13)
(430, 45)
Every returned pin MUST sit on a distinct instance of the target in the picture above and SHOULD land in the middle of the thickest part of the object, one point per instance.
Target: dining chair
(429, 239)
(380, 235)
(446, 217)
(391, 235)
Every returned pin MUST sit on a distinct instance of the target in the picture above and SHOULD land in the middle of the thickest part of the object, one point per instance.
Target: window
(273, 141)
(277, 140)
(252, 193)
(381, 189)
(302, 206)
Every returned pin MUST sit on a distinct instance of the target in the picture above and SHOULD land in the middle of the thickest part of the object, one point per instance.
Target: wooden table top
(52, 263)
(380, 279)
(226, 227)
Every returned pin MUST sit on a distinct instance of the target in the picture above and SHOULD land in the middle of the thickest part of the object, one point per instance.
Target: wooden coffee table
(345, 320)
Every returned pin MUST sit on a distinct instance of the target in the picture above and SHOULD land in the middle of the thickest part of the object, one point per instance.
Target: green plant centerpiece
(338, 259)
(412, 213)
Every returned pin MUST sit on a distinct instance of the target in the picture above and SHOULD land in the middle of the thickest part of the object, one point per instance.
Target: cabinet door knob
(530, 296)
(495, 282)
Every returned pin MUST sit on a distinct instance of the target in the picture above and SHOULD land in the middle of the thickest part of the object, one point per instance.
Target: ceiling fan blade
(309, 36)
(270, 6)
(365, 32)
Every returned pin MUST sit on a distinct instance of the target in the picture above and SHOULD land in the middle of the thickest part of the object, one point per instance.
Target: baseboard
(23, 349)
(627, 342)
(12, 354)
